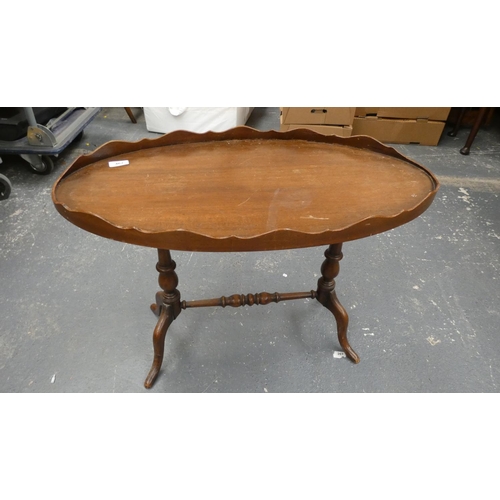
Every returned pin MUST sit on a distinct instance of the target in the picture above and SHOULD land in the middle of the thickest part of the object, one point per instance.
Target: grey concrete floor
(423, 299)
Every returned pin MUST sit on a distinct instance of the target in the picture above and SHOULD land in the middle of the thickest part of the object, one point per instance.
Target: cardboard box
(435, 114)
(317, 116)
(342, 131)
(164, 120)
(423, 132)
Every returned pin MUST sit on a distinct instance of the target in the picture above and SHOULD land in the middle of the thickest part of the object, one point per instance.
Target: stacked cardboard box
(328, 121)
(401, 125)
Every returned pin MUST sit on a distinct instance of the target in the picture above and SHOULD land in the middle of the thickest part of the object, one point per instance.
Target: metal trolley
(44, 141)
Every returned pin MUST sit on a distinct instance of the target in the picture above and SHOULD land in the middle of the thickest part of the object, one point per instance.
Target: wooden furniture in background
(484, 115)
(131, 115)
(243, 190)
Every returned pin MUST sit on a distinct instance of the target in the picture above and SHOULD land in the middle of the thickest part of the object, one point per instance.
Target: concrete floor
(423, 299)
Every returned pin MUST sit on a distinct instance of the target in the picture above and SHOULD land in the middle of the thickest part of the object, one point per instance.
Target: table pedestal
(169, 305)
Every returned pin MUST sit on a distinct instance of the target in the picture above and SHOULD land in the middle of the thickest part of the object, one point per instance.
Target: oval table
(242, 190)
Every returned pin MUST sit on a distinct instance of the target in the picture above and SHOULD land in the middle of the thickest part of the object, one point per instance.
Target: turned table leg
(167, 308)
(326, 295)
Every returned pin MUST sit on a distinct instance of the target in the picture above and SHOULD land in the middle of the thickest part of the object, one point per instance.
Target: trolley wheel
(45, 168)
(5, 187)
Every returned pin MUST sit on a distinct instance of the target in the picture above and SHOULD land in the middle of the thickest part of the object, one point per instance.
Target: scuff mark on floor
(432, 340)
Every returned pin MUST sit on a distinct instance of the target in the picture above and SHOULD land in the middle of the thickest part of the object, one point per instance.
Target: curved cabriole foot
(167, 308)
(165, 319)
(156, 307)
(333, 304)
(326, 295)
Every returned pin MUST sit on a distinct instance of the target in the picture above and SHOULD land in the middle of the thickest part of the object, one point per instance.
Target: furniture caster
(5, 187)
(40, 164)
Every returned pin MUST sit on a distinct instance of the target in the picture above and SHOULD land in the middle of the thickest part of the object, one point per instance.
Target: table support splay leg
(326, 295)
(167, 308)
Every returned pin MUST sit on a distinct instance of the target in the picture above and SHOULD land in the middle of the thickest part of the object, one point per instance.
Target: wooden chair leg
(475, 128)
(454, 132)
(131, 115)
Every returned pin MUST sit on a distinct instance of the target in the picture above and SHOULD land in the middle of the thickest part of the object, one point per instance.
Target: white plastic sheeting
(164, 120)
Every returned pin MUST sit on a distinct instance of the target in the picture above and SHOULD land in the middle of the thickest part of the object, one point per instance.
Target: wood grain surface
(243, 190)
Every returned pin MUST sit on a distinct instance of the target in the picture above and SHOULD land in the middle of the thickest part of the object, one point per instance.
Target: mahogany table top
(243, 190)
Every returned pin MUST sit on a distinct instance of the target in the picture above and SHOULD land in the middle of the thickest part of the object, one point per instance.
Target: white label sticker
(338, 354)
(118, 163)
